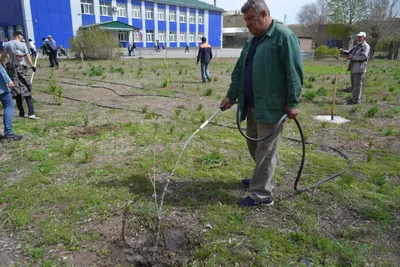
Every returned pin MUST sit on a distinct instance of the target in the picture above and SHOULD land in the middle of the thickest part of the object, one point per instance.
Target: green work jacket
(277, 75)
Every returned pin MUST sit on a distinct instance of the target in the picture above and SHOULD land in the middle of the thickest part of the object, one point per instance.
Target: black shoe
(246, 181)
(12, 137)
(352, 102)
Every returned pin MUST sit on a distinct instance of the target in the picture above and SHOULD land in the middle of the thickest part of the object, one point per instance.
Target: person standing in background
(32, 48)
(52, 46)
(205, 55)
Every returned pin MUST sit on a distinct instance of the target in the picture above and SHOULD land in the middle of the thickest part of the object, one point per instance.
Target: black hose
(303, 145)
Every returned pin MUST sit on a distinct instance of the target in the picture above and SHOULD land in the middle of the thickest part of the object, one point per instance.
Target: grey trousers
(357, 85)
(265, 155)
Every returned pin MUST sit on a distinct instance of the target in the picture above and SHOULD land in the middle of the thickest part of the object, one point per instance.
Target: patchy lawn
(78, 189)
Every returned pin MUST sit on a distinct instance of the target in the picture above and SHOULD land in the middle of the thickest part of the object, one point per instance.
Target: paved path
(175, 53)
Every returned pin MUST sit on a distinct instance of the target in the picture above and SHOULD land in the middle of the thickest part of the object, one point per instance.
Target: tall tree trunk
(372, 45)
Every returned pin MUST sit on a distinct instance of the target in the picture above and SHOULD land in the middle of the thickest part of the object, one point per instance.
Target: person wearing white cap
(358, 57)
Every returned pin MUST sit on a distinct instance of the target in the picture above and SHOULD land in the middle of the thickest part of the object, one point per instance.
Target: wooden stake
(33, 73)
(334, 100)
(83, 64)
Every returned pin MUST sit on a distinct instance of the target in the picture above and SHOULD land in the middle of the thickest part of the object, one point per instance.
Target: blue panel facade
(172, 26)
(201, 27)
(162, 25)
(215, 32)
(88, 19)
(182, 27)
(149, 4)
(11, 15)
(182, 44)
(52, 17)
(124, 20)
(149, 25)
(105, 18)
(137, 23)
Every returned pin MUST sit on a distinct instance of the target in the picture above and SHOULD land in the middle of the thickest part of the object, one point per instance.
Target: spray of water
(181, 153)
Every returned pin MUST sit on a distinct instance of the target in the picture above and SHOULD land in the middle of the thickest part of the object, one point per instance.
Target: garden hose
(303, 145)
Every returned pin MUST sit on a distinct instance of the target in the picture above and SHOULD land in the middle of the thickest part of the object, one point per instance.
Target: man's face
(360, 38)
(256, 22)
(20, 37)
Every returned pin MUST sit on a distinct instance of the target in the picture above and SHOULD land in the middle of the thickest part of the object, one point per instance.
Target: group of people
(15, 83)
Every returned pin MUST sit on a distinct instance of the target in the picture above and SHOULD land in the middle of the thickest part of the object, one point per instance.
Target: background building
(173, 22)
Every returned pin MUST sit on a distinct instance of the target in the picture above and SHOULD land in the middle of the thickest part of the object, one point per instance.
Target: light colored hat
(18, 53)
(49, 36)
(363, 34)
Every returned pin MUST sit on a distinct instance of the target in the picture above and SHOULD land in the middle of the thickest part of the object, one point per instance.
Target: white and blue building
(174, 23)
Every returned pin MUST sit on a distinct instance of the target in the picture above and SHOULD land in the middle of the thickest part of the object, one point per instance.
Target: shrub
(94, 43)
(96, 71)
(56, 91)
(325, 52)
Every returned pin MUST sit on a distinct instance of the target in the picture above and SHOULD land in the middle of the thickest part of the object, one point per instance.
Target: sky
(278, 8)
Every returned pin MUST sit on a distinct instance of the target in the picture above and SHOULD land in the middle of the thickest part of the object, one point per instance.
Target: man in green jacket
(267, 80)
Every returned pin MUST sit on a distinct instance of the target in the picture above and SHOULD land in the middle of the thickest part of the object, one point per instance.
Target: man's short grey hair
(258, 5)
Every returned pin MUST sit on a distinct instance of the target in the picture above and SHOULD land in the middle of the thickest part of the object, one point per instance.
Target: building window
(201, 19)
(172, 15)
(161, 36)
(1, 34)
(136, 12)
(149, 36)
(136, 36)
(191, 37)
(182, 37)
(149, 13)
(122, 12)
(201, 34)
(123, 36)
(182, 17)
(10, 32)
(19, 28)
(105, 8)
(87, 7)
(172, 36)
(161, 14)
(192, 18)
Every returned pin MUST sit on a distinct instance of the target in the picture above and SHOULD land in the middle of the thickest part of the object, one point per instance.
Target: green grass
(66, 186)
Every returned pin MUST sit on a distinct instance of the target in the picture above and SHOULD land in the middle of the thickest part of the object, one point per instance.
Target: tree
(346, 11)
(313, 15)
(381, 21)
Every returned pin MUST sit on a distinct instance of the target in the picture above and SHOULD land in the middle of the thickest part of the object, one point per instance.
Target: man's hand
(11, 85)
(34, 68)
(350, 57)
(225, 104)
(292, 113)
